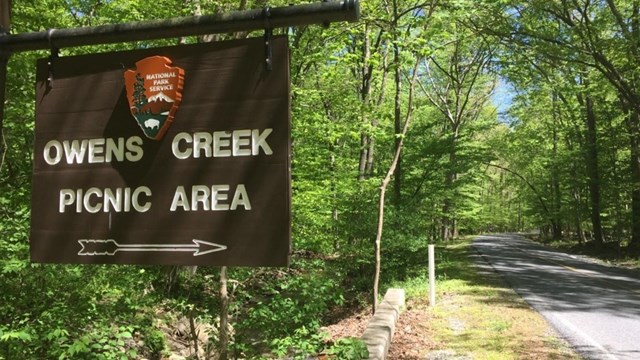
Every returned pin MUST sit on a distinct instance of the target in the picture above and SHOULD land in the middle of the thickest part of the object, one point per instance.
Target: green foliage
(154, 342)
(300, 345)
(104, 344)
(296, 302)
(303, 343)
(343, 110)
(349, 349)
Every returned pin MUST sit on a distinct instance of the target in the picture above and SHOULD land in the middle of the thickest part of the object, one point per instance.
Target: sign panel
(177, 156)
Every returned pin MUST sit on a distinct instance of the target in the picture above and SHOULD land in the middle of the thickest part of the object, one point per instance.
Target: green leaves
(349, 348)
(104, 344)
(344, 136)
(22, 336)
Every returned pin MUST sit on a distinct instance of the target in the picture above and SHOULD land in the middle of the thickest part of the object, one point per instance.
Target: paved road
(595, 307)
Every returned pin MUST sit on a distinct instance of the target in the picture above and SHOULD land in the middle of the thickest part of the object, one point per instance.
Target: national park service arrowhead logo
(154, 92)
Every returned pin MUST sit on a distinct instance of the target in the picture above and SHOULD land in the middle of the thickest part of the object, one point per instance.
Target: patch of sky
(502, 98)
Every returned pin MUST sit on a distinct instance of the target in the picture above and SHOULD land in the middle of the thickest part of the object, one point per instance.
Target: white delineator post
(432, 276)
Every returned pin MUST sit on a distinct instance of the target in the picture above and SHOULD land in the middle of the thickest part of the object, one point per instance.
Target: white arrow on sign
(109, 247)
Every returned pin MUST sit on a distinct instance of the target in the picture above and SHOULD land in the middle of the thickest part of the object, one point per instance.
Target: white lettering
(202, 141)
(210, 198)
(161, 88)
(67, 197)
(127, 199)
(134, 148)
(75, 151)
(163, 75)
(200, 194)
(179, 199)
(219, 193)
(79, 201)
(94, 199)
(244, 142)
(136, 203)
(52, 160)
(259, 140)
(240, 197)
(175, 146)
(111, 200)
(95, 151)
(87, 197)
(220, 140)
(239, 139)
(114, 150)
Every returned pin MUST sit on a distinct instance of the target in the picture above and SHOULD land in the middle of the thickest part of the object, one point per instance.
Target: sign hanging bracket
(268, 32)
(325, 24)
(55, 54)
(246, 20)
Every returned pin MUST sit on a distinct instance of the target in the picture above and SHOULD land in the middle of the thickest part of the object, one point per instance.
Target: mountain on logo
(160, 96)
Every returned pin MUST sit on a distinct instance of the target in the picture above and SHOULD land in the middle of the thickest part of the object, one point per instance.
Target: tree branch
(535, 191)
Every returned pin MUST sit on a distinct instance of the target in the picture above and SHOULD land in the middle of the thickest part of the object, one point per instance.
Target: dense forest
(454, 117)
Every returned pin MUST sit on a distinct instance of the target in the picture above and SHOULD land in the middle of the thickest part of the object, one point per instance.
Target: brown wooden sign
(177, 155)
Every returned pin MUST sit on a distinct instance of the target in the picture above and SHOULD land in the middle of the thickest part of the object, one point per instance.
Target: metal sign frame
(268, 18)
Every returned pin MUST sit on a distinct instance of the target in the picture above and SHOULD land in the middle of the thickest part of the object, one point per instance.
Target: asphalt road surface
(596, 308)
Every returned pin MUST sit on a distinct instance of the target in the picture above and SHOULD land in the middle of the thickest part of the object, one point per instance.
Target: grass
(478, 315)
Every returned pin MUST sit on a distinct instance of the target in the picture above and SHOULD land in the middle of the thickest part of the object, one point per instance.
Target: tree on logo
(139, 97)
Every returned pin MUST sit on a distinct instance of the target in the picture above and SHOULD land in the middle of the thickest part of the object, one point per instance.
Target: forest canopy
(410, 88)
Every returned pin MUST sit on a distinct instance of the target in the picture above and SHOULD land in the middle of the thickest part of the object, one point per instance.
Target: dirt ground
(410, 341)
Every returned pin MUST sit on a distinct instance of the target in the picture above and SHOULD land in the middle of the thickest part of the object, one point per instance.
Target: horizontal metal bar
(297, 15)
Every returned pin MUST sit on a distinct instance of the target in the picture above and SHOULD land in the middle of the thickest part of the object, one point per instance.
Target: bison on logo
(154, 92)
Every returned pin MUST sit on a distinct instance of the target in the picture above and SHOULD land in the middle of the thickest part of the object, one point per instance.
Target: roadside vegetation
(477, 315)
(404, 107)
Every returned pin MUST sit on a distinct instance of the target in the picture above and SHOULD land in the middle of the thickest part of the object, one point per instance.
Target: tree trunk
(397, 113)
(449, 228)
(368, 170)
(383, 190)
(555, 176)
(520, 225)
(378, 242)
(224, 315)
(397, 183)
(634, 127)
(445, 232)
(365, 93)
(194, 334)
(4, 61)
(374, 122)
(364, 155)
(578, 218)
(593, 173)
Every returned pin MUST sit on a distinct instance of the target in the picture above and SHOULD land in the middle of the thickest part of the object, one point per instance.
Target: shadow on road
(532, 267)
(595, 307)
